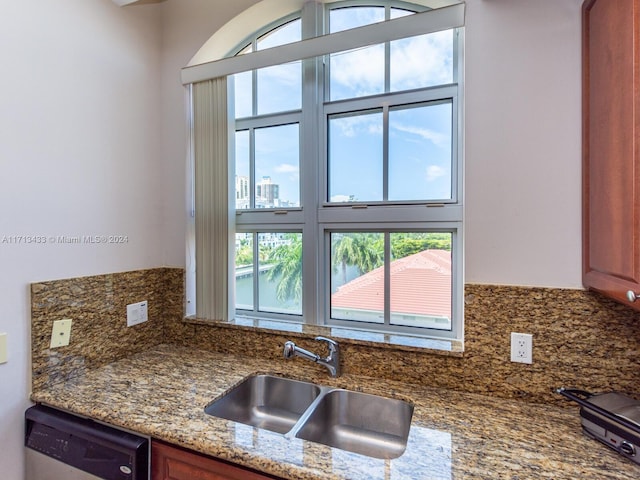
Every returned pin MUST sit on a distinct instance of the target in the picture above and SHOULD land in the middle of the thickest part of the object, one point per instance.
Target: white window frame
(316, 217)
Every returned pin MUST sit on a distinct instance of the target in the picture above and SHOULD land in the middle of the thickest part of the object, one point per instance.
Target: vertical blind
(211, 174)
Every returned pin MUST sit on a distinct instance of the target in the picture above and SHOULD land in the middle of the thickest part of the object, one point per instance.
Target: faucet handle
(333, 345)
(334, 348)
(332, 362)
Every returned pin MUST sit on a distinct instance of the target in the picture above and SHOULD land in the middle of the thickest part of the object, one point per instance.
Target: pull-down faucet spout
(332, 361)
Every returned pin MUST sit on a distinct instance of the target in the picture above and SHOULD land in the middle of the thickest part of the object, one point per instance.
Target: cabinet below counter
(173, 463)
(162, 393)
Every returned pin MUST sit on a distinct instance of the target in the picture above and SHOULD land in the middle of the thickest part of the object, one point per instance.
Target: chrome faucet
(332, 361)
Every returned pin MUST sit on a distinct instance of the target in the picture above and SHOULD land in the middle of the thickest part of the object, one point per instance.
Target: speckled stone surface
(97, 307)
(162, 393)
(581, 339)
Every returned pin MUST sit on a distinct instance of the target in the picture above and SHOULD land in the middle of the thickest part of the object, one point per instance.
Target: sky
(420, 138)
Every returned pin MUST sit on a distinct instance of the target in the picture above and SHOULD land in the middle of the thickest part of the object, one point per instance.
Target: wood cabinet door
(611, 213)
(173, 463)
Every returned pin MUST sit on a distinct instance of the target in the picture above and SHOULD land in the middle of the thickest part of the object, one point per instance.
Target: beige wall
(79, 155)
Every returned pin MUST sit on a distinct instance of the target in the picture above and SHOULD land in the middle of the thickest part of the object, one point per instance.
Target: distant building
(242, 192)
(267, 193)
(420, 292)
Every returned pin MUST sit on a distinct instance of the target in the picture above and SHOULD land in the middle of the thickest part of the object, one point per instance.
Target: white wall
(523, 145)
(79, 155)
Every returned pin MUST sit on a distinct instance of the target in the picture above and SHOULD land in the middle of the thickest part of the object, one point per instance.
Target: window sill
(353, 336)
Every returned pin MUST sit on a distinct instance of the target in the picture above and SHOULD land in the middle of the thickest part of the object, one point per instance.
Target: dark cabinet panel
(173, 463)
(611, 168)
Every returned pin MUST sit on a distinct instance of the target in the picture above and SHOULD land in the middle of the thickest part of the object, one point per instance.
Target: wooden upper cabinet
(611, 161)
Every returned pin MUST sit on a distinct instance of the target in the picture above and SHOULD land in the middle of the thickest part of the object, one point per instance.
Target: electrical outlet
(521, 347)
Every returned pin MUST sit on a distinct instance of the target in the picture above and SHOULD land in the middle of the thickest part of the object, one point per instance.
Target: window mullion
(387, 56)
(252, 169)
(387, 279)
(310, 160)
(254, 84)
(256, 271)
(385, 152)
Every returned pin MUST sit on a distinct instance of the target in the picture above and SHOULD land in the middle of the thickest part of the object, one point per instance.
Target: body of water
(268, 297)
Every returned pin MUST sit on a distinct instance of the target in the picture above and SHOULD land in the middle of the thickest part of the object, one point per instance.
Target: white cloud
(340, 198)
(437, 138)
(435, 172)
(358, 124)
(292, 172)
(422, 61)
(358, 72)
(416, 62)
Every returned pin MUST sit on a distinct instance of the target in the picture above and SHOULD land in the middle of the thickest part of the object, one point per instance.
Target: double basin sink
(357, 422)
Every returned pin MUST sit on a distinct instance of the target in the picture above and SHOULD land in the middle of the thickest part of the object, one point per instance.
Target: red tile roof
(420, 284)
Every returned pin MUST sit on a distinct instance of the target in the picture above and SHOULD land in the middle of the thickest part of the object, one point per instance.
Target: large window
(348, 176)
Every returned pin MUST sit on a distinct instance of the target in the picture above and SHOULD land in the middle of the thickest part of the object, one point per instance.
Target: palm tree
(405, 244)
(287, 264)
(359, 249)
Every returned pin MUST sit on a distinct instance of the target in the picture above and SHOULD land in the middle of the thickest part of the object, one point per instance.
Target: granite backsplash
(97, 307)
(580, 339)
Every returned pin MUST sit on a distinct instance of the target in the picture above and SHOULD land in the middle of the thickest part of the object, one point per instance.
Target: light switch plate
(137, 313)
(3, 348)
(61, 333)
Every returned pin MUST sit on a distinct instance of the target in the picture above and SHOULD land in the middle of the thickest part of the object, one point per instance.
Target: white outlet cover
(521, 347)
(137, 313)
(60, 333)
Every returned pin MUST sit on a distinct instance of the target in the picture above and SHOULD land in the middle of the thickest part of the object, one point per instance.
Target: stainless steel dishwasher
(60, 445)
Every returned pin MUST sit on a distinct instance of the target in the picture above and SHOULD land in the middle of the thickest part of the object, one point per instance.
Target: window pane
(280, 267)
(420, 158)
(352, 17)
(357, 276)
(287, 33)
(244, 271)
(355, 157)
(422, 61)
(242, 170)
(277, 166)
(280, 87)
(242, 94)
(420, 280)
(358, 72)
(400, 12)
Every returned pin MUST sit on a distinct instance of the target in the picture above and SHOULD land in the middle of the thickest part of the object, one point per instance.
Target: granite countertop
(162, 393)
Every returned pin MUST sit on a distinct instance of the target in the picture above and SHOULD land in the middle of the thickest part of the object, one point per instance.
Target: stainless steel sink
(266, 401)
(361, 423)
(357, 422)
